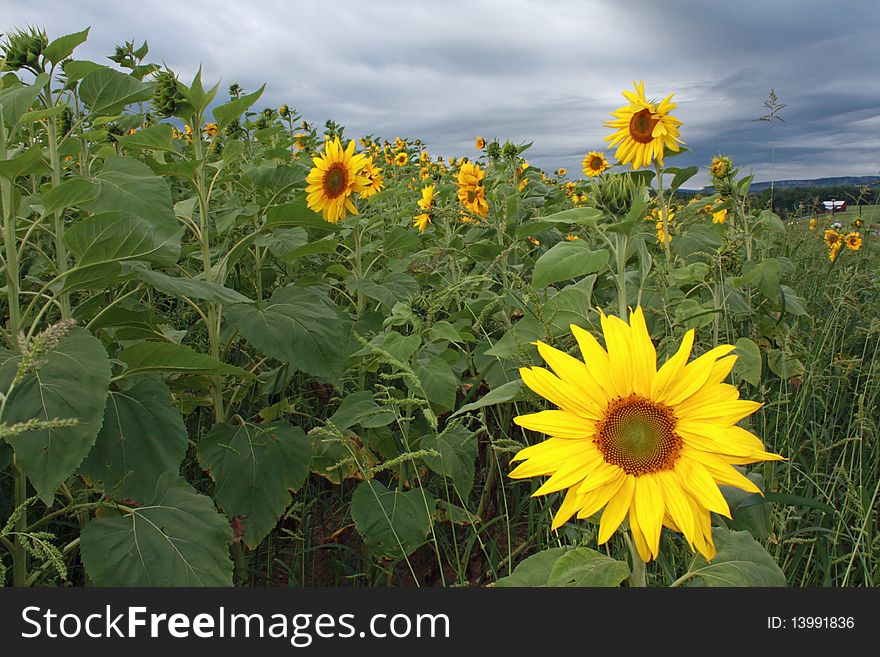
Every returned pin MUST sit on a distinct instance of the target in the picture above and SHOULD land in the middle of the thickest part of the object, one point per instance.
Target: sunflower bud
(65, 121)
(721, 167)
(493, 150)
(23, 49)
(167, 96)
(284, 111)
(509, 150)
(614, 193)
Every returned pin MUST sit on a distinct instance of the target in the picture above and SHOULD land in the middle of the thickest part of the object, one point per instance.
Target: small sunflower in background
(401, 159)
(719, 217)
(853, 241)
(661, 237)
(812, 223)
(643, 129)
(480, 143)
(426, 203)
(375, 178)
(471, 193)
(337, 175)
(210, 130)
(561, 172)
(832, 238)
(634, 441)
(595, 164)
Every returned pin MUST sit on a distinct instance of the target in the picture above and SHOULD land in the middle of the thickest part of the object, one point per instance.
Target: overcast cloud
(547, 72)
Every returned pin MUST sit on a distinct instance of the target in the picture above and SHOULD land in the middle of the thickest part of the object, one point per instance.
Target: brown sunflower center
(335, 180)
(639, 436)
(596, 163)
(641, 125)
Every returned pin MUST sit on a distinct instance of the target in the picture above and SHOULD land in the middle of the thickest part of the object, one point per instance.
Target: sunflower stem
(638, 578)
(664, 210)
(620, 257)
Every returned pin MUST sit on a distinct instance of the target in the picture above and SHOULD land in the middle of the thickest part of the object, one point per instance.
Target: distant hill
(871, 181)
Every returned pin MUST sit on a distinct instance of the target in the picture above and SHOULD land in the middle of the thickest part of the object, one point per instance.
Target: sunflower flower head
(853, 241)
(375, 179)
(832, 238)
(719, 217)
(643, 130)
(812, 223)
(401, 159)
(595, 164)
(471, 193)
(337, 174)
(721, 166)
(479, 143)
(639, 442)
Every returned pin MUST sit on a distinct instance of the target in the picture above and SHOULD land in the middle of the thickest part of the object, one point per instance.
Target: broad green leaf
(401, 347)
(284, 241)
(299, 214)
(31, 161)
(360, 408)
(783, 364)
(740, 561)
(72, 192)
(16, 101)
(189, 287)
(696, 239)
(62, 47)
(142, 436)
(511, 391)
(748, 363)
(681, 176)
(534, 570)
(76, 69)
(567, 260)
(393, 287)
(177, 539)
(688, 274)
(443, 330)
(583, 216)
(71, 384)
(573, 304)
(748, 510)
(130, 186)
(393, 524)
(228, 112)
(107, 92)
(586, 567)
(337, 459)
(171, 358)
(764, 275)
(299, 326)
(101, 242)
(155, 137)
(791, 302)
(438, 381)
(458, 456)
(254, 468)
(517, 339)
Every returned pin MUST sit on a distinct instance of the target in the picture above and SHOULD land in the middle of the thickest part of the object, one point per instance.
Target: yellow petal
(576, 374)
(643, 354)
(568, 508)
(699, 483)
(616, 509)
(672, 368)
(650, 509)
(694, 375)
(559, 424)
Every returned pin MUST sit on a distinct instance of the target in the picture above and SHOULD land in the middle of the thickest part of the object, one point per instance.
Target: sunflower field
(242, 348)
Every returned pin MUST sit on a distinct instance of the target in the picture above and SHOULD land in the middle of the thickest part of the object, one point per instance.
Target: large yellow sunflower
(375, 179)
(643, 129)
(651, 445)
(471, 193)
(337, 174)
(595, 164)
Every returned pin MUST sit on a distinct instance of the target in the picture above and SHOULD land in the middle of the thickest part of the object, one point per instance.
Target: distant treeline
(798, 201)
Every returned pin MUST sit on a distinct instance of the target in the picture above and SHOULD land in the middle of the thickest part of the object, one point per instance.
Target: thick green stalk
(60, 247)
(638, 578)
(664, 211)
(212, 314)
(9, 243)
(620, 257)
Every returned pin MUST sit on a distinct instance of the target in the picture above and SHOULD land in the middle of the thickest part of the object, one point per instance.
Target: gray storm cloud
(546, 72)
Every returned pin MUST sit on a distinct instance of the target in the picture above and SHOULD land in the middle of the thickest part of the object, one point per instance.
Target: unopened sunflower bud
(284, 111)
(167, 96)
(24, 48)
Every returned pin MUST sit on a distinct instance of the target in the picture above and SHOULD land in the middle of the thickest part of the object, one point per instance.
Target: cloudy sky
(526, 70)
